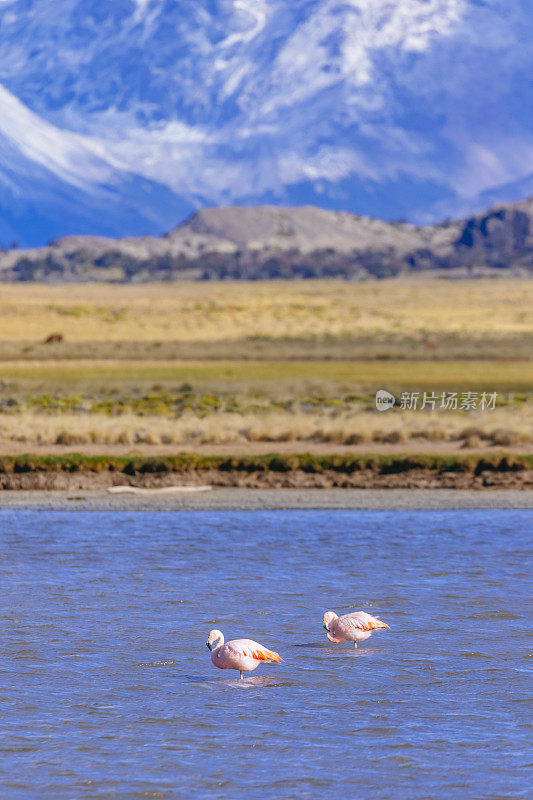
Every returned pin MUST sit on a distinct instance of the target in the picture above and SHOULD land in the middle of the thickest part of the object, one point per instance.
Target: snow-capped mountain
(120, 117)
(54, 181)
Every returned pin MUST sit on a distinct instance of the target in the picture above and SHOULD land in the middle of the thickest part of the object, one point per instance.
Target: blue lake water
(107, 689)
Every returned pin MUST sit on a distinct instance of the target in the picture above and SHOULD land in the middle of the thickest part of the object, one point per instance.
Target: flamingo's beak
(325, 627)
(208, 645)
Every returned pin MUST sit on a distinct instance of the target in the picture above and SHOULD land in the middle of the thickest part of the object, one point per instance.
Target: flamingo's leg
(355, 645)
(240, 673)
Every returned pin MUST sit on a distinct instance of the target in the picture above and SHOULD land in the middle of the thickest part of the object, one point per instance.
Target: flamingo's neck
(218, 642)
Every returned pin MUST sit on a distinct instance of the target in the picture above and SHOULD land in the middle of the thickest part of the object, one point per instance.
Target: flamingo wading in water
(242, 654)
(354, 627)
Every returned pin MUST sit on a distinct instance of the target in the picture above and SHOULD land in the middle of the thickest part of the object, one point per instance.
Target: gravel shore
(223, 499)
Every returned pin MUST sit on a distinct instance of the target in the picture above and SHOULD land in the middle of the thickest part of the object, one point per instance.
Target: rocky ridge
(267, 242)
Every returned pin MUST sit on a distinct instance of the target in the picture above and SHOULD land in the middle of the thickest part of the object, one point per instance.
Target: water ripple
(107, 690)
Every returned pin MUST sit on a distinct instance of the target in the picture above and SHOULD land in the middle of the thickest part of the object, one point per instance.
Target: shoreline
(74, 472)
(238, 499)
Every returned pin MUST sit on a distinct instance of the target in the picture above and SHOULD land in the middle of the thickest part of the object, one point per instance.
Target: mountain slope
(54, 182)
(271, 242)
(391, 108)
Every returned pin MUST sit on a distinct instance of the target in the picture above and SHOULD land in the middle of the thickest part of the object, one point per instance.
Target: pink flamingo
(242, 654)
(354, 627)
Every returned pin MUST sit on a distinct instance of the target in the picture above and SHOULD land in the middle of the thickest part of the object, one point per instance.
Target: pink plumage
(242, 654)
(355, 627)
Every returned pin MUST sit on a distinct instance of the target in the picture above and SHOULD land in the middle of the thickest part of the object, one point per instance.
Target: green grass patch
(344, 376)
(190, 462)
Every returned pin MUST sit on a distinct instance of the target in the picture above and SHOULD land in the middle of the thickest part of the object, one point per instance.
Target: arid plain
(249, 368)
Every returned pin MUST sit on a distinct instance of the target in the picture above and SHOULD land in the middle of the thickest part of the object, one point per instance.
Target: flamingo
(242, 654)
(355, 627)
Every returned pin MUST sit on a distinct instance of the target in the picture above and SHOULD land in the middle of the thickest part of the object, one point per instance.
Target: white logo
(384, 400)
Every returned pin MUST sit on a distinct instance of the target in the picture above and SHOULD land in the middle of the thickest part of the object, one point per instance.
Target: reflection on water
(107, 689)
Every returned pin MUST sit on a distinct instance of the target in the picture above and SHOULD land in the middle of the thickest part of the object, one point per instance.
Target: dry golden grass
(211, 311)
(432, 312)
(505, 426)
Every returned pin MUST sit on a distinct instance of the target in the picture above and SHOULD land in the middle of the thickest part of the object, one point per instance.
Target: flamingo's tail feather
(267, 655)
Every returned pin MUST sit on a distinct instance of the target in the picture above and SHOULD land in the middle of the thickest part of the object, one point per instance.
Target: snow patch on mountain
(76, 160)
(408, 108)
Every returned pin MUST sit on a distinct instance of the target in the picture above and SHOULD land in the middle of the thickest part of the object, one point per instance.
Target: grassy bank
(79, 472)
(277, 463)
